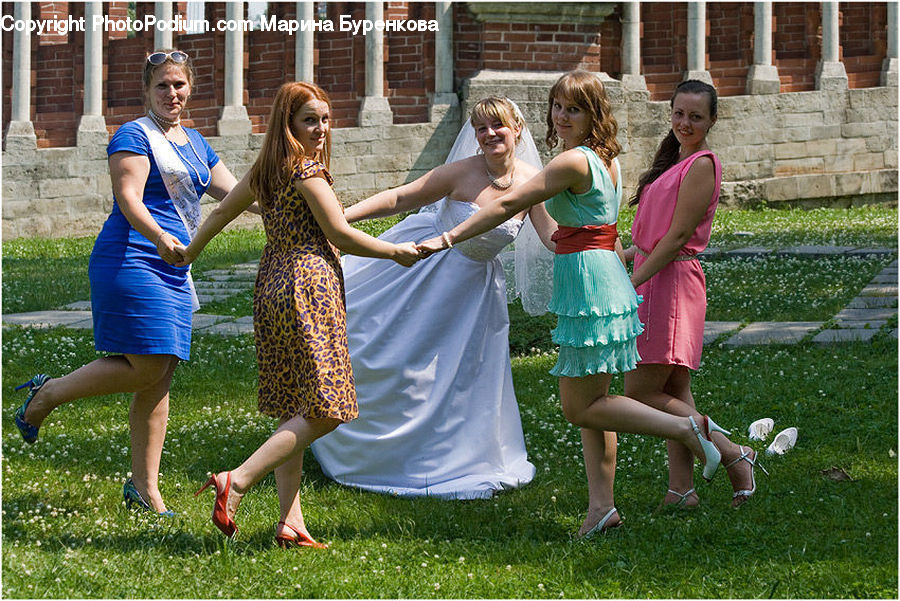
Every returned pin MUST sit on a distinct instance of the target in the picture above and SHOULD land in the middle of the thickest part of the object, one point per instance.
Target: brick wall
(796, 41)
(341, 64)
(730, 45)
(271, 62)
(663, 46)
(58, 93)
(863, 42)
(805, 147)
(409, 63)
(534, 46)
(594, 44)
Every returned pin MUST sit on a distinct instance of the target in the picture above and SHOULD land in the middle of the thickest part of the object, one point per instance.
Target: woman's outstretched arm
(235, 202)
(329, 214)
(564, 171)
(429, 188)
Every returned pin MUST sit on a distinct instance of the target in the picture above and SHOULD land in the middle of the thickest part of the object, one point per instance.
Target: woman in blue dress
(593, 298)
(142, 304)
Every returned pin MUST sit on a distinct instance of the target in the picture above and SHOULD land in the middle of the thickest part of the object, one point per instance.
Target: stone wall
(66, 191)
(798, 148)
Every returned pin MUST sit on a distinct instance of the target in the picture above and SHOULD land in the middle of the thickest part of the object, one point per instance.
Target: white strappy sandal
(682, 502)
(601, 527)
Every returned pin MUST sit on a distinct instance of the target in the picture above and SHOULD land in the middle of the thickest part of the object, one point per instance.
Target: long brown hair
(281, 152)
(667, 153)
(586, 90)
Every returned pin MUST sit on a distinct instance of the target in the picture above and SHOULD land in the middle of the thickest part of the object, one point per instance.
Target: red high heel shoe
(298, 540)
(220, 515)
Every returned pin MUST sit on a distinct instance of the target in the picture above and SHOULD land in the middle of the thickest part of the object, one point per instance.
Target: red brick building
(485, 36)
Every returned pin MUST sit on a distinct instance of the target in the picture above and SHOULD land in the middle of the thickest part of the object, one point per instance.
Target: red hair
(281, 151)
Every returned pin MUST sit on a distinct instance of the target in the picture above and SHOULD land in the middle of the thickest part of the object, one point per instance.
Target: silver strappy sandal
(746, 494)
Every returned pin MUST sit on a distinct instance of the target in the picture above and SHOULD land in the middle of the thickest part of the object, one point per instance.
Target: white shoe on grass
(759, 430)
(784, 442)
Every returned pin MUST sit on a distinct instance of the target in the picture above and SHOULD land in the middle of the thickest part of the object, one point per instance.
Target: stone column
(830, 72)
(375, 108)
(92, 126)
(763, 75)
(305, 48)
(889, 65)
(631, 47)
(163, 12)
(20, 134)
(444, 99)
(234, 120)
(696, 41)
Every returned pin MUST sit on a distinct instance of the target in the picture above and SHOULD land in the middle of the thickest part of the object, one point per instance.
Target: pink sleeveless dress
(674, 307)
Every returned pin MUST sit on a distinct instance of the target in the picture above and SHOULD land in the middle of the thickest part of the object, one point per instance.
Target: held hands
(431, 246)
(406, 254)
(167, 246)
(187, 255)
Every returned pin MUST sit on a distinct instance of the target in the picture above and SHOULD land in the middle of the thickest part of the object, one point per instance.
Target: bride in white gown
(430, 344)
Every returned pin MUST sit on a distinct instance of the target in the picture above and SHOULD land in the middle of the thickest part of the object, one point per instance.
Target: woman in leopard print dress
(305, 377)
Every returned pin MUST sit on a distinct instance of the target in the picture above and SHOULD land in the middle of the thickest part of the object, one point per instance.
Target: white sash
(178, 184)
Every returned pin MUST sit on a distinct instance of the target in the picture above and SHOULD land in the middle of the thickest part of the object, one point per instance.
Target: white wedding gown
(430, 351)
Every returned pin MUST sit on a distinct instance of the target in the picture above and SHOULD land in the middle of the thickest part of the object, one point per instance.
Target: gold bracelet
(446, 238)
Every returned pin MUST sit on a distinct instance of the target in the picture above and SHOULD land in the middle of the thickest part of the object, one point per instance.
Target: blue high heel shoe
(29, 433)
(710, 452)
(133, 497)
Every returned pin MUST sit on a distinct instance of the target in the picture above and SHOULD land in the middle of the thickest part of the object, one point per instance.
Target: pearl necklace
(494, 180)
(159, 121)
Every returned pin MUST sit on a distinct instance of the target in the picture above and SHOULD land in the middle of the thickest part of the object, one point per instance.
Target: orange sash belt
(588, 237)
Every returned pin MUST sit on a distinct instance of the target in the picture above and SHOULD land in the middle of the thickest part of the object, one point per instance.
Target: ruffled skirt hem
(606, 359)
(595, 331)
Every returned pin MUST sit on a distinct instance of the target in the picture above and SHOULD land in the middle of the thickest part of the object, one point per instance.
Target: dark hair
(150, 69)
(586, 90)
(667, 153)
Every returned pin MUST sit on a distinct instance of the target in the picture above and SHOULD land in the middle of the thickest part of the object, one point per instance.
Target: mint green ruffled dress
(593, 297)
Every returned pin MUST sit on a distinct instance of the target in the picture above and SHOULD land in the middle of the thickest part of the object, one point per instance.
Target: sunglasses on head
(158, 58)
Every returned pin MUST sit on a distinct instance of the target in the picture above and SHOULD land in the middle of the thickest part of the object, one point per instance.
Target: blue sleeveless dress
(141, 305)
(595, 303)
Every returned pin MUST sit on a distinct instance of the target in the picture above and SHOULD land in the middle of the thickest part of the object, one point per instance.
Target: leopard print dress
(299, 313)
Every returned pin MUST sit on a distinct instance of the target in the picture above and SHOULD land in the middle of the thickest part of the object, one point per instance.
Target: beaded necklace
(159, 123)
(494, 180)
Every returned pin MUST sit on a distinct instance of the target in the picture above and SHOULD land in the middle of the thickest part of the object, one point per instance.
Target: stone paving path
(860, 320)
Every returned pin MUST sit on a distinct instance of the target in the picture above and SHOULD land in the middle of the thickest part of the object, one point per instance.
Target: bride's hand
(429, 247)
(406, 254)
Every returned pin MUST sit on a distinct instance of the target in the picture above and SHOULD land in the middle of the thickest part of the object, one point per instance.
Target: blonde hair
(282, 153)
(500, 109)
(585, 89)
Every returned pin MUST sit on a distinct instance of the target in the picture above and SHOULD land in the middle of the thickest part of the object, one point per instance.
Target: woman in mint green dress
(593, 298)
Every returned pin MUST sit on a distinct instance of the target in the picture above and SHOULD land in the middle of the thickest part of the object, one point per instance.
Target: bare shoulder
(526, 169)
(315, 184)
(702, 167)
(464, 165)
(572, 159)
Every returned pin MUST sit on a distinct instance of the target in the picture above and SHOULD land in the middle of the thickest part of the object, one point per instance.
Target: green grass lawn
(67, 534)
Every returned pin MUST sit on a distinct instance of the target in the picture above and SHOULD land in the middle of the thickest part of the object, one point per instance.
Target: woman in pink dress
(677, 199)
